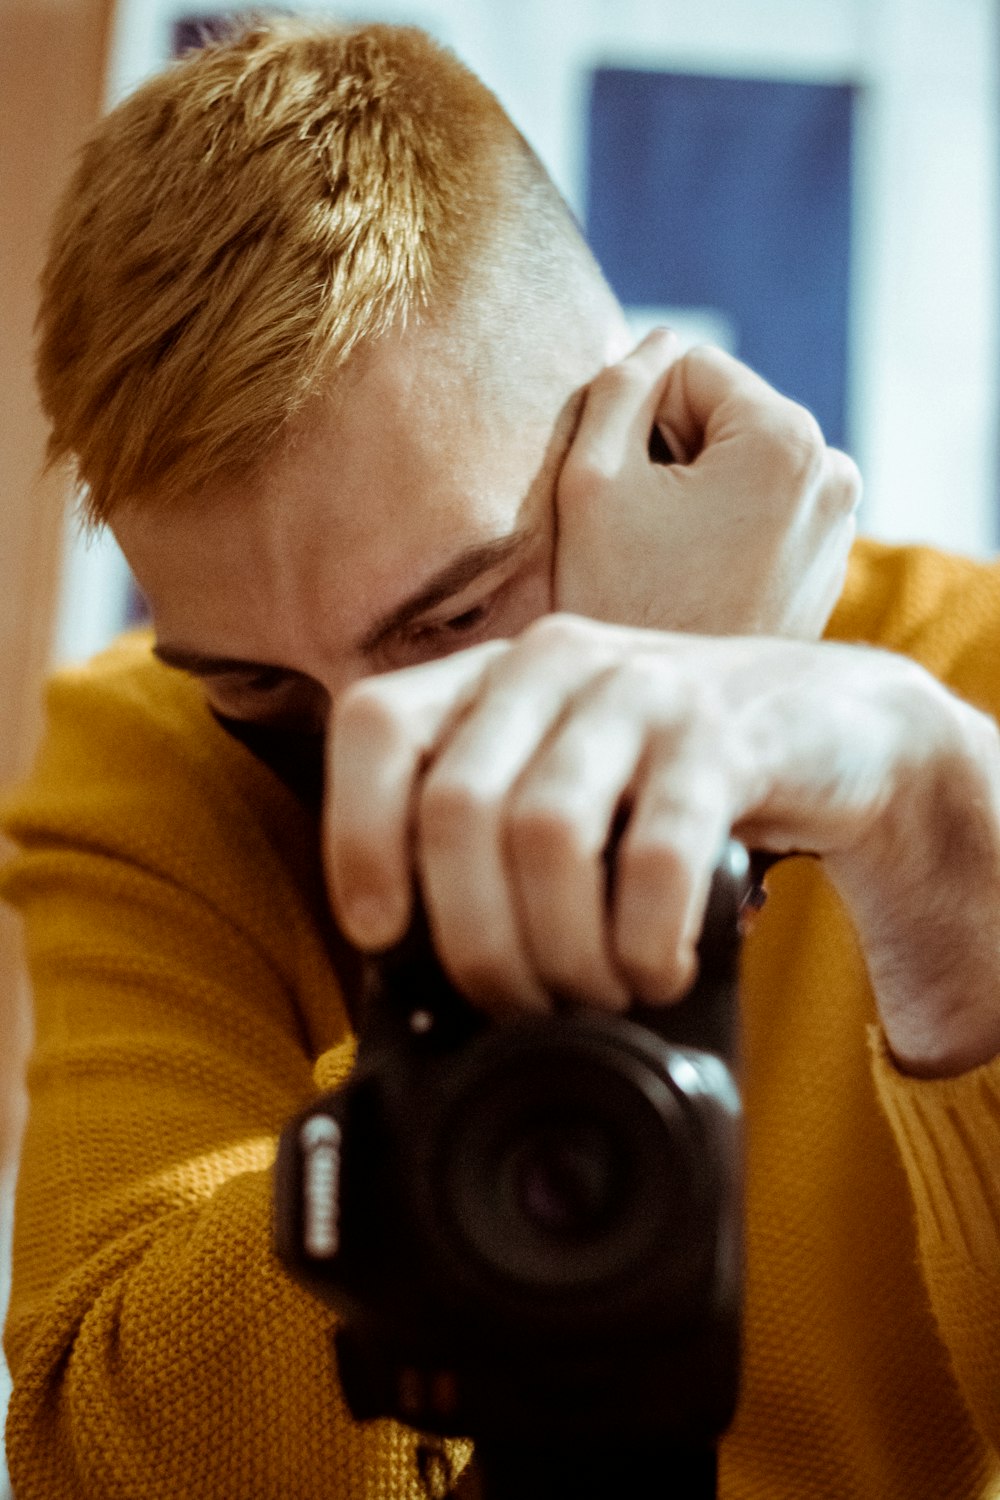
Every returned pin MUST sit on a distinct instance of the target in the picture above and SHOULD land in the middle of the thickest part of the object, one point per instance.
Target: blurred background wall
(814, 183)
(52, 84)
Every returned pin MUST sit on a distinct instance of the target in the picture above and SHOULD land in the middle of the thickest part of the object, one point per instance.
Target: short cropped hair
(240, 225)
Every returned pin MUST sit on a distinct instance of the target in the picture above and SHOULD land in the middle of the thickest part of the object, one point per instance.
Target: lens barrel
(575, 1162)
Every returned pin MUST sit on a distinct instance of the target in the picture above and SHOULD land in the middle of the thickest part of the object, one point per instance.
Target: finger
(462, 812)
(708, 395)
(561, 825)
(622, 406)
(843, 486)
(827, 541)
(381, 731)
(681, 818)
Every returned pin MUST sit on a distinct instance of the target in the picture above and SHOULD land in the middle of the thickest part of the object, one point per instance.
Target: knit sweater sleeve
(948, 1131)
(169, 887)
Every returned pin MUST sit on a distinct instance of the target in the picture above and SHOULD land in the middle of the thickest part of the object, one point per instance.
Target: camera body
(531, 1227)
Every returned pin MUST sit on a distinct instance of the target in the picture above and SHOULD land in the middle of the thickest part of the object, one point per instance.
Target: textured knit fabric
(188, 1002)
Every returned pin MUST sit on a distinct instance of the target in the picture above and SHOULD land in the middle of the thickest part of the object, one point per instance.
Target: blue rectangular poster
(732, 195)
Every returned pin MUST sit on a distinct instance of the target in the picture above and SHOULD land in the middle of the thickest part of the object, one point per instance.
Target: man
(332, 360)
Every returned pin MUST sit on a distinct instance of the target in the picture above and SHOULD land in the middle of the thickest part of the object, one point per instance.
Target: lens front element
(572, 1166)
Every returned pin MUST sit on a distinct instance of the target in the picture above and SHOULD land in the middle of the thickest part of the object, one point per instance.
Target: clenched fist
(747, 534)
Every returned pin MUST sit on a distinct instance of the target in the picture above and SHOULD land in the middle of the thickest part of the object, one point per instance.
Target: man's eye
(266, 680)
(467, 620)
(273, 698)
(426, 639)
(268, 685)
(457, 625)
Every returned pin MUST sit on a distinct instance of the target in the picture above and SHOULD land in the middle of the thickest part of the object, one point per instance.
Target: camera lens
(567, 1161)
(564, 1179)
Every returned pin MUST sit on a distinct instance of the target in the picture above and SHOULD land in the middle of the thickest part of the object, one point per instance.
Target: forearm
(923, 888)
(180, 1360)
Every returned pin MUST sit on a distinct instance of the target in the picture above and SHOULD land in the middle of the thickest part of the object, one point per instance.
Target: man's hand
(504, 774)
(747, 534)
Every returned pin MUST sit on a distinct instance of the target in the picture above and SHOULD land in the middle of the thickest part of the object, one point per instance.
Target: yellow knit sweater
(187, 1004)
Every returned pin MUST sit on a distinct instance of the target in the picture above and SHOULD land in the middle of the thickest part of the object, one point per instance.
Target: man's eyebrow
(451, 579)
(203, 665)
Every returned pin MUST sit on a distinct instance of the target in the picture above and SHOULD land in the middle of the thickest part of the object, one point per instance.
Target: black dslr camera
(531, 1229)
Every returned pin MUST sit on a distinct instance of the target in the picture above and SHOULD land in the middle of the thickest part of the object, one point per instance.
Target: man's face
(412, 513)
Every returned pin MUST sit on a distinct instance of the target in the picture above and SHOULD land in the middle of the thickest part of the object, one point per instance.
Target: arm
(506, 769)
(945, 612)
(181, 994)
(948, 1133)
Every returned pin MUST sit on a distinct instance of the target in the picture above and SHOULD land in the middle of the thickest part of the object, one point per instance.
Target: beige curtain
(53, 57)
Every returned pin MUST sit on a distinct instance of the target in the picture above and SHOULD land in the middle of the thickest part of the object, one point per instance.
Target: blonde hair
(240, 225)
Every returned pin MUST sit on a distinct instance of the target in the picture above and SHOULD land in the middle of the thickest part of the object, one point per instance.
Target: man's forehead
(463, 569)
(305, 584)
(398, 486)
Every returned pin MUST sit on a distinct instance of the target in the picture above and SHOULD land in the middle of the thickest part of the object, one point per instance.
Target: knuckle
(805, 432)
(705, 710)
(622, 381)
(453, 813)
(712, 717)
(849, 475)
(840, 492)
(653, 863)
(371, 725)
(811, 431)
(366, 709)
(695, 819)
(917, 698)
(645, 680)
(545, 840)
(640, 675)
(953, 741)
(692, 717)
(976, 738)
(720, 744)
(711, 357)
(985, 732)
(794, 445)
(559, 633)
(585, 478)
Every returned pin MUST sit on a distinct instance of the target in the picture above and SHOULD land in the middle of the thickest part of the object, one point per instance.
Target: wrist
(923, 886)
(944, 1051)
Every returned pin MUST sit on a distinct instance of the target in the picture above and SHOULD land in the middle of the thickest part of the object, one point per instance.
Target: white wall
(925, 346)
